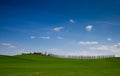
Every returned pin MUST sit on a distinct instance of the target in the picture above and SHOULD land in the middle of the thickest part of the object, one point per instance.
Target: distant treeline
(35, 53)
(69, 56)
(38, 53)
(85, 57)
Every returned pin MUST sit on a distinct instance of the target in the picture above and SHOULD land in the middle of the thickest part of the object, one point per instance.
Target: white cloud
(45, 37)
(89, 28)
(9, 45)
(92, 51)
(88, 42)
(116, 48)
(109, 39)
(77, 53)
(102, 47)
(81, 53)
(55, 51)
(52, 49)
(59, 37)
(86, 53)
(72, 21)
(58, 29)
(113, 48)
(32, 37)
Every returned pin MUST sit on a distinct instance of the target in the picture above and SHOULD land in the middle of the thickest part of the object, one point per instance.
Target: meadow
(34, 65)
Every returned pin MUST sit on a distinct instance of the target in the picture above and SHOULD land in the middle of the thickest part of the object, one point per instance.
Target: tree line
(69, 56)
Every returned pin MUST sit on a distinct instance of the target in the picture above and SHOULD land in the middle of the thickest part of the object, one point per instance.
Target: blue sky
(65, 27)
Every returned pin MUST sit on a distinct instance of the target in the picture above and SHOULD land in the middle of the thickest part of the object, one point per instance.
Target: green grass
(31, 65)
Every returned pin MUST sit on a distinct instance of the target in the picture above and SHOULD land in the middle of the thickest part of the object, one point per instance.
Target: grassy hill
(33, 65)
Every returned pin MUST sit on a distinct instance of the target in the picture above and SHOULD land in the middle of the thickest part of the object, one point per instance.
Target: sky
(64, 27)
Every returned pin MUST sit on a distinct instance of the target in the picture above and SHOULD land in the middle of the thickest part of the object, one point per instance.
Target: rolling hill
(34, 65)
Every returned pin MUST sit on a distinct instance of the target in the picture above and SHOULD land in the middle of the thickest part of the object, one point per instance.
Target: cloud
(71, 21)
(102, 47)
(89, 28)
(116, 48)
(109, 39)
(86, 53)
(45, 37)
(81, 53)
(58, 29)
(55, 51)
(52, 49)
(32, 37)
(76, 53)
(59, 37)
(88, 43)
(9, 45)
(113, 48)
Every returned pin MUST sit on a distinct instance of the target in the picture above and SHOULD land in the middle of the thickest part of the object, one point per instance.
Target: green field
(32, 65)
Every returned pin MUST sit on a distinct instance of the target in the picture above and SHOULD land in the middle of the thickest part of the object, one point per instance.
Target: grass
(33, 65)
